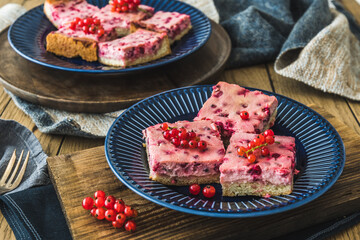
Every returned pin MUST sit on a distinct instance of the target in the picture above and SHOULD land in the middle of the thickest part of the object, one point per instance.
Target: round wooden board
(97, 93)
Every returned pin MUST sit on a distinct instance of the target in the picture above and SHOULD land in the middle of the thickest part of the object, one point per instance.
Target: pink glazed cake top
(166, 158)
(111, 20)
(172, 23)
(66, 11)
(80, 34)
(226, 103)
(277, 168)
(138, 43)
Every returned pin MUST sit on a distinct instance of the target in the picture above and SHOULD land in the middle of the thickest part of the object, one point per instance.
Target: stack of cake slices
(219, 121)
(147, 36)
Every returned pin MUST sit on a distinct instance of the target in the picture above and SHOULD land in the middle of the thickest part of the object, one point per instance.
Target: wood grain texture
(82, 92)
(73, 176)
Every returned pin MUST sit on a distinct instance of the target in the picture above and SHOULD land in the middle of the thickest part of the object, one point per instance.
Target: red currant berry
(130, 226)
(251, 145)
(164, 126)
(100, 213)
(77, 20)
(118, 207)
(184, 143)
(132, 7)
(269, 140)
(121, 218)
(118, 9)
(256, 142)
(182, 134)
(175, 141)
(268, 132)
(88, 203)
(194, 189)
(191, 135)
(129, 211)
(136, 2)
(110, 215)
(92, 29)
(251, 158)
(80, 23)
(97, 21)
(261, 137)
(244, 115)
(124, 8)
(86, 29)
(202, 145)
(99, 202)
(174, 132)
(73, 25)
(93, 210)
(109, 202)
(241, 151)
(117, 224)
(265, 151)
(88, 21)
(119, 200)
(114, 8)
(167, 135)
(193, 144)
(99, 193)
(209, 191)
(100, 32)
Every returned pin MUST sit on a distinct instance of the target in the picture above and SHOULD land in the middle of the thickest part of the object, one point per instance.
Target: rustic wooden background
(260, 76)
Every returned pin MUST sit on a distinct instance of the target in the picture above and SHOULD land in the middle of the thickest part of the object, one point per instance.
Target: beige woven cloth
(330, 62)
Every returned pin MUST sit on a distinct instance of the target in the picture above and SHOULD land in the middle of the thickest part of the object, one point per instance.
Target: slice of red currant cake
(60, 12)
(236, 109)
(120, 21)
(174, 24)
(79, 38)
(184, 153)
(139, 47)
(259, 165)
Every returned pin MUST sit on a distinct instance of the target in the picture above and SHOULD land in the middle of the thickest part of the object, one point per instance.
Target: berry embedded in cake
(236, 109)
(269, 171)
(60, 12)
(174, 24)
(139, 47)
(120, 22)
(184, 153)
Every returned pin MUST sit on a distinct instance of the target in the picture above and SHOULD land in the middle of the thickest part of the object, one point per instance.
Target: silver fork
(6, 186)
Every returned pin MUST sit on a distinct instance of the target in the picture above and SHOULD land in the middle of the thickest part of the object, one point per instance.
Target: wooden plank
(73, 176)
(29, 4)
(353, 7)
(254, 76)
(307, 95)
(72, 144)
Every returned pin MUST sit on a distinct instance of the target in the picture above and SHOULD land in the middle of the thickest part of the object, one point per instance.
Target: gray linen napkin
(15, 136)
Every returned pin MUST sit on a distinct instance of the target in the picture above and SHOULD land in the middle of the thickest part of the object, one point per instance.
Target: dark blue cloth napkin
(35, 213)
(262, 29)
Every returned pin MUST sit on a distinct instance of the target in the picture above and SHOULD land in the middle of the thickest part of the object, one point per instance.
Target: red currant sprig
(115, 211)
(180, 137)
(88, 26)
(260, 142)
(124, 5)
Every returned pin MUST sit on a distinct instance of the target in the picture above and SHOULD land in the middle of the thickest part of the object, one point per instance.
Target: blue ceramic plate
(28, 34)
(320, 155)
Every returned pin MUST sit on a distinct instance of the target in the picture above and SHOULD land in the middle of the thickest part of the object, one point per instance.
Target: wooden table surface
(260, 76)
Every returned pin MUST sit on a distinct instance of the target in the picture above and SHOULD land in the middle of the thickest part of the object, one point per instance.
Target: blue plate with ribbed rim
(320, 155)
(27, 37)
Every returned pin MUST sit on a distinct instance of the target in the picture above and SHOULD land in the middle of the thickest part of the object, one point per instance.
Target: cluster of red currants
(115, 210)
(258, 144)
(182, 138)
(124, 5)
(208, 191)
(88, 26)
